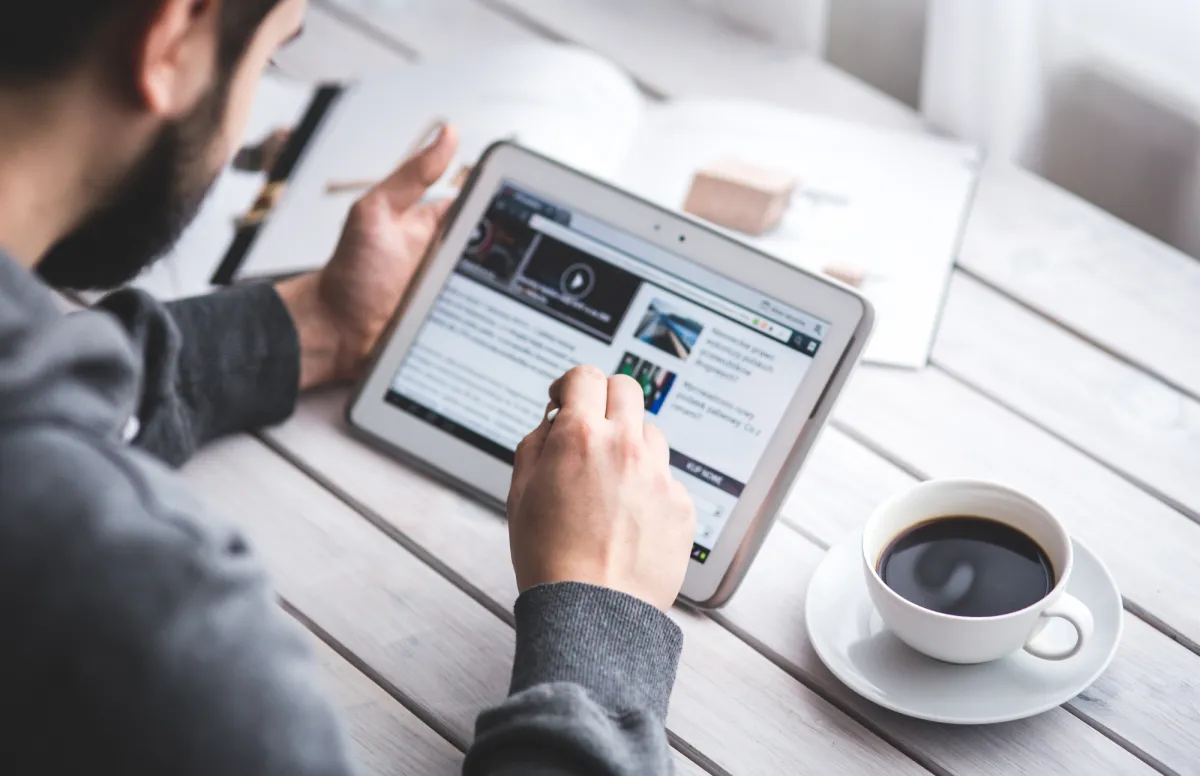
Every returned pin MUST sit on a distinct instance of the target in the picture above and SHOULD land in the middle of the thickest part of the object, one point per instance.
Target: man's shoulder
(88, 523)
(140, 629)
(59, 477)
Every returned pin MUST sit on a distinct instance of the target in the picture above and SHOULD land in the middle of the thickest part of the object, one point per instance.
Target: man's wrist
(620, 649)
(321, 347)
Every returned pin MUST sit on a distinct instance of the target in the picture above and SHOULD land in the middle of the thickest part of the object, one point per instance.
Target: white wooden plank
(831, 499)
(442, 27)
(770, 608)
(425, 636)
(1156, 431)
(1114, 411)
(387, 738)
(1088, 270)
(1050, 249)
(730, 703)
(1146, 702)
(1170, 669)
(418, 631)
(328, 50)
(1146, 698)
(677, 48)
(1079, 265)
(942, 428)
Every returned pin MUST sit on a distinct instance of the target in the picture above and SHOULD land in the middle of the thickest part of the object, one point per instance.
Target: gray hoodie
(138, 632)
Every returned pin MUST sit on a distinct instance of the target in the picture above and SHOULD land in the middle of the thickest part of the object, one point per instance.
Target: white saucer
(851, 640)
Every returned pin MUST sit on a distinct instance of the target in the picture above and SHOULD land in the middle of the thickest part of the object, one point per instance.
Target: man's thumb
(407, 184)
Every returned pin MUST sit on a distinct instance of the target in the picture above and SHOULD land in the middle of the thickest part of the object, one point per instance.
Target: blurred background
(1099, 96)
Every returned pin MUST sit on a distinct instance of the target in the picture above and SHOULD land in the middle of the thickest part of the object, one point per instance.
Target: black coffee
(968, 566)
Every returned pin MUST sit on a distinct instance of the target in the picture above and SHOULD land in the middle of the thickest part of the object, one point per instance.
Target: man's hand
(592, 496)
(341, 310)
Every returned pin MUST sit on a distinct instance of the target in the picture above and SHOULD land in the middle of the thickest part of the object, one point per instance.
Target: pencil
(427, 136)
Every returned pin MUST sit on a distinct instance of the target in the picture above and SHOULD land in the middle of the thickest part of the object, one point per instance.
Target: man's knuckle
(588, 372)
(629, 448)
(578, 431)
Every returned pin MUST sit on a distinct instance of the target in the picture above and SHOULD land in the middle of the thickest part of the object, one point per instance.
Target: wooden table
(1068, 365)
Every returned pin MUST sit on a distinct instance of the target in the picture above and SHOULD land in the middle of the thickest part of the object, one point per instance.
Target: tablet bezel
(848, 314)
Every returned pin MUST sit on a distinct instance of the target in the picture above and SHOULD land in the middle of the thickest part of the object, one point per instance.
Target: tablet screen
(541, 288)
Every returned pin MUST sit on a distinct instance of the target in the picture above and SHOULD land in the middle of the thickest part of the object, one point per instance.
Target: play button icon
(578, 281)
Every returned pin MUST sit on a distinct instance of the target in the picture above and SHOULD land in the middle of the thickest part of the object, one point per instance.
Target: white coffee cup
(958, 639)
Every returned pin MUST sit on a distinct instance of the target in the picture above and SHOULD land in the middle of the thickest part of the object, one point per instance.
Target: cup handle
(1073, 611)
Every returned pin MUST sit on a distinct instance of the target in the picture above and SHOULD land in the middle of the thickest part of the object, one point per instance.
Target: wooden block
(851, 276)
(739, 195)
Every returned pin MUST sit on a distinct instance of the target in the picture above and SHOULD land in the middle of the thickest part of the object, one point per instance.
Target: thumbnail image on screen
(664, 328)
(655, 381)
(541, 288)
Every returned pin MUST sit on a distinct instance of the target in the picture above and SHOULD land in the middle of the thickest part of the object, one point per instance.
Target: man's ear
(176, 57)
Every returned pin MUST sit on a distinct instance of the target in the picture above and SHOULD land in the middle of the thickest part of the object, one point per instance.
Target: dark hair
(41, 39)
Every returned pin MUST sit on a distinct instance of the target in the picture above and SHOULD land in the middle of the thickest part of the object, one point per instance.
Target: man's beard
(144, 216)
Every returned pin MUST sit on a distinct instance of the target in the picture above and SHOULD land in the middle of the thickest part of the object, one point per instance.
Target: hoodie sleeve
(592, 678)
(212, 365)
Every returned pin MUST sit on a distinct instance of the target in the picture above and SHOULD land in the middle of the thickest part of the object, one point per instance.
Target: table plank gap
(683, 747)
(508, 8)
(933, 426)
(1151, 635)
(855, 437)
(1182, 507)
(699, 760)
(331, 450)
(987, 749)
(401, 697)
(878, 450)
(390, 530)
(680, 49)
(331, 50)
(363, 26)
(511, 9)
(823, 690)
(1161, 625)
(996, 398)
(415, 629)
(1132, 607)
(526, 20)
(538, 28)
(717, 670)
(427, 27)
(1030, 239)
(1124, 743)
(1146, 698)
(1116, 412)
(697, 757)
(1192, 392)
(1088, 271)
(384, 733)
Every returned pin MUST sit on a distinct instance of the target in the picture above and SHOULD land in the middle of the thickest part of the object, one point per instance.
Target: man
(137, 632)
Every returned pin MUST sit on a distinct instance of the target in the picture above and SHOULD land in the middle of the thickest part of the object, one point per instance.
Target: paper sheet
(891, 204)
(566, 103)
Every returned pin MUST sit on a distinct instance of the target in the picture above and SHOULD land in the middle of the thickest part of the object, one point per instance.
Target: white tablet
(541, 268)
